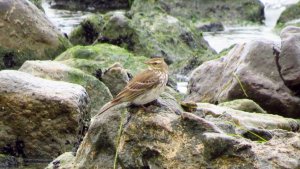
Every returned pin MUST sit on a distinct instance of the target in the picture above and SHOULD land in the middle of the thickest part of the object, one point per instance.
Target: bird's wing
(138, 85)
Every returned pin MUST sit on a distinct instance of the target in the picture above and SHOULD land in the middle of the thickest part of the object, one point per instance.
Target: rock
(210, 27)
(115, 78)
(63, 161)
(290, 16)
(229, 11)
(7, 161)
(243, 105)
(26, 34)
(152, 34)
(37, 3)
(289, 58)
(248, 71)
(88, 31)
(90, 5)
(95, 59)
(247, 120)
(99, 94)
(39, 119)
(158, 138)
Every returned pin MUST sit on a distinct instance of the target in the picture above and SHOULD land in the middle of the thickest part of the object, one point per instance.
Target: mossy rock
(88, 30)
(99, 94)
(152, 34)
(228, 11)
(291, 13)
(243, 105)
(27, 35)
(93, 59)
(37, 3)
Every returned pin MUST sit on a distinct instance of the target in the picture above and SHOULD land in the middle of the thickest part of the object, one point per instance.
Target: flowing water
(66, 20)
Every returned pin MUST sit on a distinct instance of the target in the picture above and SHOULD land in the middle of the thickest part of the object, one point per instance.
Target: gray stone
(158, 138)
(39, 118)
(99, 94)
(289, 58)
(115, 78)
(248, 71)
(64, 161)
(243, 105)
(26, 34)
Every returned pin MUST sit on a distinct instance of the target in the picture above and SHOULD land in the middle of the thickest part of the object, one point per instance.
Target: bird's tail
(107, 106)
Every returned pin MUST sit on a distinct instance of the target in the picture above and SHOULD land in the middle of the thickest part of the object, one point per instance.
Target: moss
(88, 30)
(291, 13)
(101, 56)
(253, 12)
(37, 3)
(13, 59)
(64, 44)
(229, 11)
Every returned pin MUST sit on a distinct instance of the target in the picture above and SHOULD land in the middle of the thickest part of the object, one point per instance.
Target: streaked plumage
(144, 87)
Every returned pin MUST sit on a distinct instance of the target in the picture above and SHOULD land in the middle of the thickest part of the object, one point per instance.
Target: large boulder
(159, 138)
(99, 94)
(91, 5)
(289, 58)
(149, 34)
(247, 71)
(96, 59)
(26, 34)
(230, 11)
(39, 119)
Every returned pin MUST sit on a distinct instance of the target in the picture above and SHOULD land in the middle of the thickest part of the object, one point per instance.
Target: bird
(145, 87)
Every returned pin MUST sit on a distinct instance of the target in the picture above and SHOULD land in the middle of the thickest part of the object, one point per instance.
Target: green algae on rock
(26, 34)
(291, 13)
(101, 56)
(151, 34)
(98, 92)
(88, 30)
(228, 11)
(243, 105)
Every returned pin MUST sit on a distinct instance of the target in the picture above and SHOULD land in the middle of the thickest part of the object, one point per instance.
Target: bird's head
(157, 64)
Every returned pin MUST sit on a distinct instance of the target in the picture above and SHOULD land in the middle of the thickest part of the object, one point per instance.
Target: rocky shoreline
(242, 108)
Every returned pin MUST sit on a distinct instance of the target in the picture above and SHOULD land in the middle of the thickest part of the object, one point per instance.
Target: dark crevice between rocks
(296, 88)
(120, 41)
(91, 32)
(16, 149)
(8, 60)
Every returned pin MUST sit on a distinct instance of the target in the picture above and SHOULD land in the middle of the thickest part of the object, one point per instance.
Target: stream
(66, 20)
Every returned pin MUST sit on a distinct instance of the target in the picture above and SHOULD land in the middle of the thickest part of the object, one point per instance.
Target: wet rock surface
(96, 59)
(27, 34)
(247, 71)
(150, 34)
(289, 58)
(40, 118)
(214, 10)
(161, 138)
(98, 92)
